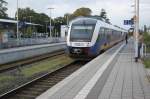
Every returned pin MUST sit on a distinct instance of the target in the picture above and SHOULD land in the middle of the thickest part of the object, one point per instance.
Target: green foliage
(147, 63)
(78, 12)
(146, 37)
(4, 79)
(103, 15)
(27, 14)
(3, 9)
(29, 32)
(58, 22)
(82, 12)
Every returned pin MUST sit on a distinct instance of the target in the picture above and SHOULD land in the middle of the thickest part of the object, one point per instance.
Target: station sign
(21, 24)
(128, 22)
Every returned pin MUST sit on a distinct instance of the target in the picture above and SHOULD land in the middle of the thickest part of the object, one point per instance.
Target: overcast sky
(117, 10)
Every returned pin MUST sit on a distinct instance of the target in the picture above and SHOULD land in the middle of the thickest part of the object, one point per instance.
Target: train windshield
(82, 32)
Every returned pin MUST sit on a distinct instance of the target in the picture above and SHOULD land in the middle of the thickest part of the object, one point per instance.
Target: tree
(67, 17)
(103, 15)
(82, 12)
(27, 15)
(107, 20)
(3, 9)
(57, 24)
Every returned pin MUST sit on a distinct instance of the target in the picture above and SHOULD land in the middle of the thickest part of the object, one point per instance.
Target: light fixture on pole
(50, 27)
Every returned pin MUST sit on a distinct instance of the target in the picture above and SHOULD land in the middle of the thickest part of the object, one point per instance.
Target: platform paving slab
(127, 79)
(71, 86)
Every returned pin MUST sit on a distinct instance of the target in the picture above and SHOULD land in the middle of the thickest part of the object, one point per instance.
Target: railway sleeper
(41, 86)
(34, 92)
(35, 89)
(23, 96)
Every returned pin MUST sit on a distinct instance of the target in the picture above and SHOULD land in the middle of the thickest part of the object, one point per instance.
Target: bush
(146, 38)
(147, 63)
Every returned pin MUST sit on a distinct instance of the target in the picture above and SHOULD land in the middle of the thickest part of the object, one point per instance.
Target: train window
(82, 32)
(102, 31)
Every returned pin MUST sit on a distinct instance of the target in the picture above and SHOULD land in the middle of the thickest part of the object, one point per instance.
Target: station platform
(18, 53)
(112, 75)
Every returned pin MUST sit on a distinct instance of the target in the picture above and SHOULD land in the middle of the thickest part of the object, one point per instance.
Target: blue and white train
(87, 37)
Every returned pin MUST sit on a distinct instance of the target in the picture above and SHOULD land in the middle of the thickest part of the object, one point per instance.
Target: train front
(79, 39)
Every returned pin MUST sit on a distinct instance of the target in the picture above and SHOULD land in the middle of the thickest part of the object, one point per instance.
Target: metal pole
(46, 27)
(17, 20)
(67, 20)
(50, 20)
(24, 23)
(50, 24)
(136, 27)
(30, 24)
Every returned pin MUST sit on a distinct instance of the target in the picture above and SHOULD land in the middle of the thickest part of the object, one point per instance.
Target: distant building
(64, 31)
(9, 26)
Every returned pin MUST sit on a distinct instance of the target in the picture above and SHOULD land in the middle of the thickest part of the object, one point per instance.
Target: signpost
(136, 28)
(128, 22)
(135, 22)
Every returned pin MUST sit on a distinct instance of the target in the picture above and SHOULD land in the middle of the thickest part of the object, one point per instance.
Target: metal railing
(146, 50)
(29, 41)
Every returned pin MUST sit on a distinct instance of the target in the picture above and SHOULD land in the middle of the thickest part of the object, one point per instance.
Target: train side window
(102, 31)
(112, 32)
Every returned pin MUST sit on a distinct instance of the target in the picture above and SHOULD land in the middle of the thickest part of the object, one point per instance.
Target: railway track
(36, 87)
(21, 63)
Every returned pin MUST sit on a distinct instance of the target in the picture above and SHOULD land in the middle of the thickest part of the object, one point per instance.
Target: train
(88, 37)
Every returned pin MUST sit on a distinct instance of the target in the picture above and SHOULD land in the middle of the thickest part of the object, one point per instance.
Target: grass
(5, 78)
(147, 63)
(46, 65)
(8, 81)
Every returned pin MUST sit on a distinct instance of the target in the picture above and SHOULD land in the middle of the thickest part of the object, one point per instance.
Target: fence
(29, 41)
(146, 50)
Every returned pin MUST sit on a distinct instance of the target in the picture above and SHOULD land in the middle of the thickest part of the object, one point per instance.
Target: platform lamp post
(30, 23)
(46, 23)
(50, 20)
(67, 19)
(24, 18)
(136, 28)
(46, 27)
(17, 20)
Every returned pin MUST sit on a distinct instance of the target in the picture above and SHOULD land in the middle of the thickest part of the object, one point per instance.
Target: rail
(37, 86)
(23, 62)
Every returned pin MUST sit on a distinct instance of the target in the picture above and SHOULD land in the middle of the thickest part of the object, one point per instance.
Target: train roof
(104, 24)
